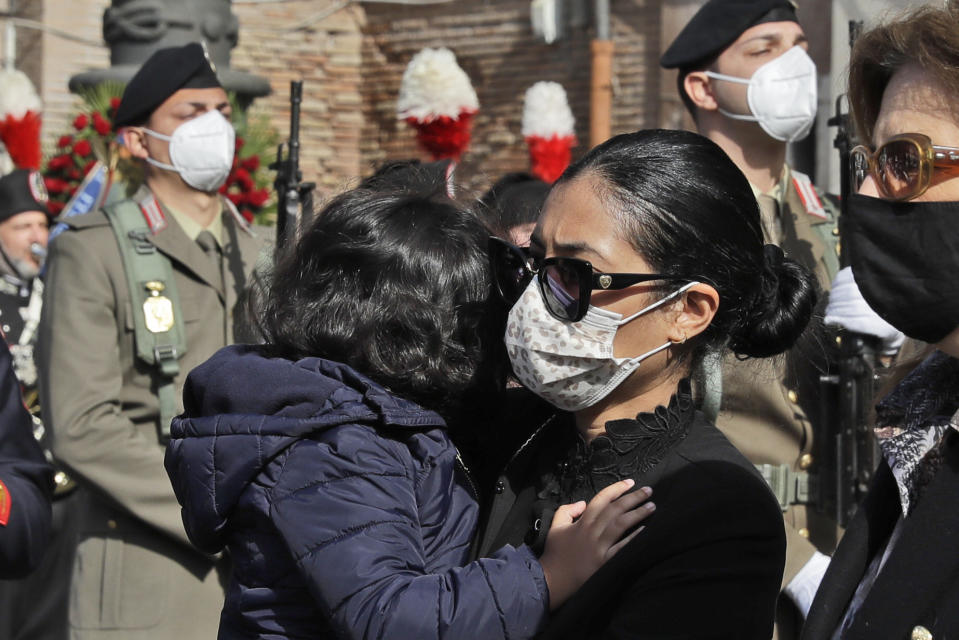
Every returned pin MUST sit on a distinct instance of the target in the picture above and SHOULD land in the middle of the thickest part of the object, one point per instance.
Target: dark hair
(395, 285)
(513, 200)
(429, 179)
(927, 36)
(689, 211)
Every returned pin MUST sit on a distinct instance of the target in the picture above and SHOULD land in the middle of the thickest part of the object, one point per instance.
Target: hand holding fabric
(583, 537)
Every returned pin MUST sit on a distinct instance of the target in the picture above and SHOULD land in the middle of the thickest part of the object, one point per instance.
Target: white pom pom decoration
(434, 85)
(546, 111)
(17, 95)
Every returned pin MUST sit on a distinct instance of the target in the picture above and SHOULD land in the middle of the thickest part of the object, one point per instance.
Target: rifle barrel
(296, 97)
(294, 196)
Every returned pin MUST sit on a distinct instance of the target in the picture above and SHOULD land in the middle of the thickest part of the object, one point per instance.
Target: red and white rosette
(548, 127)
(439, 102)
(20, 110)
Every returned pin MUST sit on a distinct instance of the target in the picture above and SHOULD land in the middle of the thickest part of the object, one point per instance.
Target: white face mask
(781, 95)
(570, 364)
(201, 151)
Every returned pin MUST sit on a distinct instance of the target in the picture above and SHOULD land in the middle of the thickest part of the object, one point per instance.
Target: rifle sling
(162, 342)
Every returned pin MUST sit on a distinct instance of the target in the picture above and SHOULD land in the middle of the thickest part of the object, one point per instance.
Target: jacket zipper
(466, 472)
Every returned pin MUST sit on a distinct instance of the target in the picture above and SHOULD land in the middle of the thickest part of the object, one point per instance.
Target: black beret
(163, 74)
(717, 25)
(22, 190)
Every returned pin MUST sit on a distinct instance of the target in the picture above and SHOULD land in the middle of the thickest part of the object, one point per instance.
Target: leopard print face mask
(570, 364)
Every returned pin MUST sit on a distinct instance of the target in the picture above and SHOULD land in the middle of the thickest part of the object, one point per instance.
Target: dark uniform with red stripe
(26, 481)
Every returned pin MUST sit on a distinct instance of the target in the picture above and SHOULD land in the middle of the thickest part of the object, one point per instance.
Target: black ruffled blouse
(629, 448)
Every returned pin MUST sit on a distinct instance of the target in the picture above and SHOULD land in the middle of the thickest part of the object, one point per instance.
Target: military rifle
(848, 454)
(294, 197)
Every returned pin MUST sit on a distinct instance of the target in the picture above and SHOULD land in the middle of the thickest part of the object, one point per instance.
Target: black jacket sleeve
(26, 481)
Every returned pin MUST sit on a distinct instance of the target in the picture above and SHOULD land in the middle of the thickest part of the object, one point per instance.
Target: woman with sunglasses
(647, 257)
(895, 573)
(321, 461)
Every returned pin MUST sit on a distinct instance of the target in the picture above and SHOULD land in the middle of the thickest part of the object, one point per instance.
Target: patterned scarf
(912, 420)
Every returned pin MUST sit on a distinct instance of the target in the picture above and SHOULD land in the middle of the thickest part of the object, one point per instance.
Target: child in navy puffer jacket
(315, 462)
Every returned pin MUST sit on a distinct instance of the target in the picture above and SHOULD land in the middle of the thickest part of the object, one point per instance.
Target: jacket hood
(242, 409)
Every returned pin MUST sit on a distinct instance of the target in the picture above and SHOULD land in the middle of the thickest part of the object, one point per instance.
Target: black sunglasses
(567, 283)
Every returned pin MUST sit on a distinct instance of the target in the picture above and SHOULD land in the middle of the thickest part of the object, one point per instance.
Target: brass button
(804, 532)
(835, 231)
(793, 396)
(805, 461)
(921, 633)
(112, 524)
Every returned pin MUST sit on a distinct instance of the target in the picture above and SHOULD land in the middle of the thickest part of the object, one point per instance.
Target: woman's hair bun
(780, 310)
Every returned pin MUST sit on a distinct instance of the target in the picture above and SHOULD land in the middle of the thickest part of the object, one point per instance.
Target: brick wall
(352, 60)
(351, 57)
(63, 58)
(320, 45)
(49, 59)
(495, 45)
(28, 42)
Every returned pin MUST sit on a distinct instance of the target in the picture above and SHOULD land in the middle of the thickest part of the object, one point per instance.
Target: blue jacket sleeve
(352, 523)
(27, 481)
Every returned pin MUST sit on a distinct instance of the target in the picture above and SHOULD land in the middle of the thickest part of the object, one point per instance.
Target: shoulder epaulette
(152, 213)
(87, 220)
(807, 193)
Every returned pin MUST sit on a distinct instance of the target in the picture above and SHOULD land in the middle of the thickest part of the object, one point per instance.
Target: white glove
(802, 588)
(848, 309)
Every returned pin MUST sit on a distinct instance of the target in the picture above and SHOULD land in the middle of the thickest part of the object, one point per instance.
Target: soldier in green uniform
(138, 293)
(746, 78)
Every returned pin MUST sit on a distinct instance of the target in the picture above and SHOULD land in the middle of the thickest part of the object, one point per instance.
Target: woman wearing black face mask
(896, 571)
